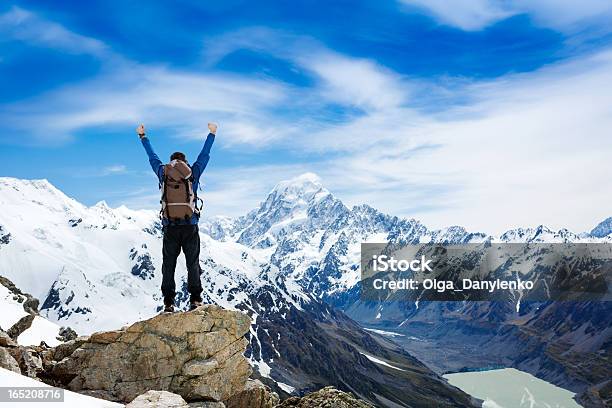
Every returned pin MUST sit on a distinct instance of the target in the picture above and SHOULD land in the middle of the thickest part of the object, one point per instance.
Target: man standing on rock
(180, 214)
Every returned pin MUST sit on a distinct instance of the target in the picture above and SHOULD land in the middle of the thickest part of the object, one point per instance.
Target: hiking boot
(168, 304)
(194, 304)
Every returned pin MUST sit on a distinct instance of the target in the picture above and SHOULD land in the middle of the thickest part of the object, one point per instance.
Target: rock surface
(8, 362)
(198, 355)
(6, 341)
(254, 395)
(19, 359)
(22, 325)
(158, 399)
(30, 303)
(327, 397)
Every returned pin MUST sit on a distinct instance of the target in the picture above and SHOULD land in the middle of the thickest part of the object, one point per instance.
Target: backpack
(178, 200)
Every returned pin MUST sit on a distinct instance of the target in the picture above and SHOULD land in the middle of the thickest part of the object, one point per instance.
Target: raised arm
(202, 160)
(156, 164)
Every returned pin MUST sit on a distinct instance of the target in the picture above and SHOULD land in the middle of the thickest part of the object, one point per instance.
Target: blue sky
(488, 114)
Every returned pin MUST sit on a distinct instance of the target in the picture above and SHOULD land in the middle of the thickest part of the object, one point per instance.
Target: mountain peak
(603, 229)
(305, 182)
(40, 184)
(102, 205)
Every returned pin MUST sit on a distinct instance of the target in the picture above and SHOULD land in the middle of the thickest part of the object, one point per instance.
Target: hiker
(180, 214)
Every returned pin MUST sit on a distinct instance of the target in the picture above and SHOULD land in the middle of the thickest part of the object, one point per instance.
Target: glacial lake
(511, 388)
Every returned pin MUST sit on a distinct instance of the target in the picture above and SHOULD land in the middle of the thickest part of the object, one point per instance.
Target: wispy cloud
(563, 15)
(127, 92)
(356, 82)
(22, 25)
(518, 150)
(114, 169)
(465, 14)
(530, 148)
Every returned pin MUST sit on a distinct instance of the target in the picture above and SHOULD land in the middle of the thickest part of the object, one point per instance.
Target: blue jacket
(197, 168)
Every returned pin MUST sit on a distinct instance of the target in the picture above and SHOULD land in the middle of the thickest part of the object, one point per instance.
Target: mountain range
(292, 264)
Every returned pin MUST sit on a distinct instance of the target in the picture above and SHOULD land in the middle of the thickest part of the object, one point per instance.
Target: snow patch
(381, 362)
(71, 399)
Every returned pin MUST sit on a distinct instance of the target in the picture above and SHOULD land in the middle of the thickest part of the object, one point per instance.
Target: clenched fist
(140, 130)
(213, 128)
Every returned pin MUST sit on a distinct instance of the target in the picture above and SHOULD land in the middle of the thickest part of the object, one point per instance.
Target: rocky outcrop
(597, 396)
(66, 334)
(19, 359)
(198, 355)
(30, 303)
(324, 398)
(254, 395)
(30, 306)
(8, 362)
(20, 326)
(29, 360)
(6, 340)
(158, 399)
(328, 397)
(24, 360)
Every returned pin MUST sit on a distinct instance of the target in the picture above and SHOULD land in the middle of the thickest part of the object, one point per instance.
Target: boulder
(158, 399)
(30, 303)
(325, 398)
(67, 334)
(63, 350)
(28, 359)
(22, 325)
(197, 354)
(6, 341)
(8, 362)
(254, 395)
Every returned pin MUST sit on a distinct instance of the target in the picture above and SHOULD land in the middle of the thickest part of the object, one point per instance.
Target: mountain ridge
(85, 263)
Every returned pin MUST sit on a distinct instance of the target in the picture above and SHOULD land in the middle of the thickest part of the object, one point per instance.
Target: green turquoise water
(511, 388)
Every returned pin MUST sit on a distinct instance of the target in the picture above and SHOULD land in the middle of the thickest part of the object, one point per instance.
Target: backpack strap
(163, 201)
(187, 194)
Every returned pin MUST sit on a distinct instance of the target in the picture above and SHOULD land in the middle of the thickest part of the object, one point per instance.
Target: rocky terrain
(326, 397)
(198, 355)
(179, 360)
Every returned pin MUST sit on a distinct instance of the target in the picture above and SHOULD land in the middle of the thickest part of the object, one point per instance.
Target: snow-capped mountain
(285, 263)
(302, 242)
(97, 268)
(314, 239)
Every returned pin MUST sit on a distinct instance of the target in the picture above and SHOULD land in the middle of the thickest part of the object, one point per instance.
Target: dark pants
(187, 238)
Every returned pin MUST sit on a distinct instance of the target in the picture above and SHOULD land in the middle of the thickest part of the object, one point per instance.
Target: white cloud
(356, 82)
(563, 15)
(127, 92)
(568, 14)
(25, 26)
(465, 14)
(157, 96)
(525, 149)
(530, 148)
(114, 169)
